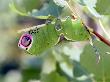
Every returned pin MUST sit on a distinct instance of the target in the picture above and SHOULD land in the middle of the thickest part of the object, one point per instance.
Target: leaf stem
(101, 38)
(101, 25)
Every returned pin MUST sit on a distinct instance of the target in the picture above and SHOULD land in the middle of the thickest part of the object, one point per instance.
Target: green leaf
(90, 4)
(53, 77)
(26, 5)
(31, 4)
(103, 7)
(30, 73)
(81, 74)
(48, 9)
(63, 73)
(88, 60)
(33, 72)
(17, 10)
(29, 9)
(78, 70)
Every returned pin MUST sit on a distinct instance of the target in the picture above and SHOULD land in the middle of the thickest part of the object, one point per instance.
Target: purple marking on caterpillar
(25, 41)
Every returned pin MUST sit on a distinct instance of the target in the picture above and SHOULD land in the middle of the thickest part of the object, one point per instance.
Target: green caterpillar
(39, 40)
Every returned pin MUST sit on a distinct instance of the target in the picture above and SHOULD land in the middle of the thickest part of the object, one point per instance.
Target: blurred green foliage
(103, 7)
(66, 62)
(88, 60)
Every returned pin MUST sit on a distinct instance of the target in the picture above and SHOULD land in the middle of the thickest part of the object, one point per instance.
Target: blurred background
(14, 63)
(72, 62)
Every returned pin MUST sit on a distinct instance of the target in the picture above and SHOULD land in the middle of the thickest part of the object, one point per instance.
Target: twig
(102, 38)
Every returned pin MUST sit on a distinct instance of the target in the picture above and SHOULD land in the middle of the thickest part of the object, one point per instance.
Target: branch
(101, 38)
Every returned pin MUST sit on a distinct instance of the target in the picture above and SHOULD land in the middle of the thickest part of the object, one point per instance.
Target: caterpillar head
(25, 41)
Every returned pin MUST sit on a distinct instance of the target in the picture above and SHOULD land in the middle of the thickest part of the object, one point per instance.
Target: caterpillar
(40, 39)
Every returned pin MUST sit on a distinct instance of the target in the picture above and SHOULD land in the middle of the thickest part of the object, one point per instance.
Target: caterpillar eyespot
(25, 41)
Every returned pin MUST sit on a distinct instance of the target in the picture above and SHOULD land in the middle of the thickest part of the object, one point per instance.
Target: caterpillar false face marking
(25, 41)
